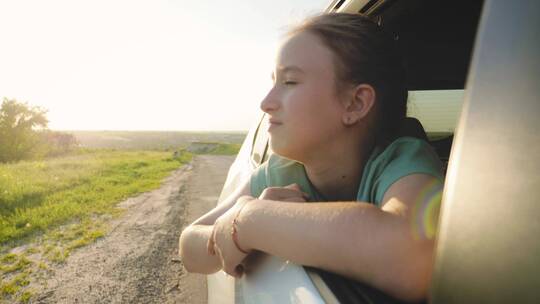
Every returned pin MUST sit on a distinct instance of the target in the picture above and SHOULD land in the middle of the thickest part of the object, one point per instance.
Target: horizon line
(119, 130)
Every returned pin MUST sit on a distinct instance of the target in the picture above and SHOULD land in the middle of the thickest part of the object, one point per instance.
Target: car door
(488, 249)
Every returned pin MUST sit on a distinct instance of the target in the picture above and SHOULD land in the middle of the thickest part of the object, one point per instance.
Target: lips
(273, 123)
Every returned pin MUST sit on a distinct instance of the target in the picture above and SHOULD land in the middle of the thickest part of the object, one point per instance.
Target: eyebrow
(289, 68)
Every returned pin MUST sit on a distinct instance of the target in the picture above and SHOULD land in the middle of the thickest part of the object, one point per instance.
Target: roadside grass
(152, 140)
(36, 196)
(49, 208)
(226, 149)
(214, 148)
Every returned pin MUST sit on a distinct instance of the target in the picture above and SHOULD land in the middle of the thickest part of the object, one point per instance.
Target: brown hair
(365, 53)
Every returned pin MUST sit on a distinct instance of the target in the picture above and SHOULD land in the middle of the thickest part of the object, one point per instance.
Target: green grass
(25, 297)
(152, 140)
(54, 206)
(226, 149)
(214, 148)
(12, 262)
(39, 195)
(13, 285)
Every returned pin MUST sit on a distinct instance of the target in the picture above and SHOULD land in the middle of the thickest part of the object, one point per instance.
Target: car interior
(487, 249)
(437, 40)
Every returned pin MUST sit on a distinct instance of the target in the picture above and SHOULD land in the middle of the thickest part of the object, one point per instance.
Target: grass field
(49, 208)
(72, 192)
(39, 195)
(152, 140)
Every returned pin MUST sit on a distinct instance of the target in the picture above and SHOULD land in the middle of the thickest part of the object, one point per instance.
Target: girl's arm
(194, 238)
(385, 248)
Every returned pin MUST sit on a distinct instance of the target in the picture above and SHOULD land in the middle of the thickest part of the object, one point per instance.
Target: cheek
(318, 109)
(312, 101)
(315, 117)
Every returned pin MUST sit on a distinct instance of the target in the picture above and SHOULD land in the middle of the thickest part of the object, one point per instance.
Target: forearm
(193, 250)
(354, 239)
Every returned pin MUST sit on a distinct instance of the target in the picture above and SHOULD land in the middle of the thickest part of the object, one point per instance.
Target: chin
(283, 150)
(278, 147)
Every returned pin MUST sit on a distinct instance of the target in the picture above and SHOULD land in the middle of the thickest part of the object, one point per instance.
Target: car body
(487, 243)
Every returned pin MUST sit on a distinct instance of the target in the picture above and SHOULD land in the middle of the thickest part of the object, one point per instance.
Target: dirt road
(137, 261)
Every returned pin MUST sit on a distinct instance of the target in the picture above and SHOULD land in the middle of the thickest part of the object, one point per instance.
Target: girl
(335, 112)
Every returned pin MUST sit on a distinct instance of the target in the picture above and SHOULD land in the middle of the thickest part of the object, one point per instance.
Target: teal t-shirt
(404, 156)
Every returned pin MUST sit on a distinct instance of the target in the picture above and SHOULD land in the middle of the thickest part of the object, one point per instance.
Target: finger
(296, 187)
(283, 193)
(287, 193)
(293, 186)
(269, 192)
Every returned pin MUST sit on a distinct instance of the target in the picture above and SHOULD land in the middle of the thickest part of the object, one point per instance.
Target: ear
(359, 104)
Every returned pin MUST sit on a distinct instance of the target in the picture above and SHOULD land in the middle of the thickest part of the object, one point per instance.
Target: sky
(144, 65)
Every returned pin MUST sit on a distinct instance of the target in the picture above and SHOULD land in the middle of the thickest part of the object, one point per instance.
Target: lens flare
(426, 211)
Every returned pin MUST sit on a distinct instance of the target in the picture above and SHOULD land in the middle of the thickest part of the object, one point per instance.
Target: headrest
(413, 128)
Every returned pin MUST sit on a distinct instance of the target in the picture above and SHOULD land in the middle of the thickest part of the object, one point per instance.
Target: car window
(260, 141)
(438, 111)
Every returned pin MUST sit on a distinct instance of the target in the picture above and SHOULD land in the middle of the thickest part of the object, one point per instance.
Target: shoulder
(408, 153)
(405, 147)
(404, 156)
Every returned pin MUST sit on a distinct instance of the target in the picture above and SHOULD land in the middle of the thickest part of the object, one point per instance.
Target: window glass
(260, 141)
(438, 111)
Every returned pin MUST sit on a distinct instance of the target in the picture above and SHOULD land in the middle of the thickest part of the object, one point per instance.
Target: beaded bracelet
(234, 231)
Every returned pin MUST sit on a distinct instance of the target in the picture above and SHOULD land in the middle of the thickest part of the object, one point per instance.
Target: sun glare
(151, 65)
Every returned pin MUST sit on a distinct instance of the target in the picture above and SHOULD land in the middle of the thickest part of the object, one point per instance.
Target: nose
(270, 103)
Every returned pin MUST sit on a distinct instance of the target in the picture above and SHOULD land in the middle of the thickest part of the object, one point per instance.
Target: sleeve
(404, 157)
(258, 180)
(278, 172)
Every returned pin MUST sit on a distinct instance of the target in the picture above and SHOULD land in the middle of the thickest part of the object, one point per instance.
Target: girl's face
(303, 107)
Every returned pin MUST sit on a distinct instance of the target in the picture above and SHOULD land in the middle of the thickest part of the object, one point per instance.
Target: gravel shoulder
(137, 262)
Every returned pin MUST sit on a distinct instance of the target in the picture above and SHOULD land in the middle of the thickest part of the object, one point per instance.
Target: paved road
(137, 261)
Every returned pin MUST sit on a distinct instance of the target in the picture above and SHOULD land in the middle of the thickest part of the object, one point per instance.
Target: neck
(337, 170)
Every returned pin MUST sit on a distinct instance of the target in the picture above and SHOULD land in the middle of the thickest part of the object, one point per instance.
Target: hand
(221, 243)
(290, 193)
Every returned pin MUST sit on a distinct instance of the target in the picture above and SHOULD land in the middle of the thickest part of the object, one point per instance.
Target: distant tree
(20, 124)
(58, 143)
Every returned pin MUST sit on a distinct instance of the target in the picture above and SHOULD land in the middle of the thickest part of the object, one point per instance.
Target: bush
(19, 126)
(24, 134)
(58, 143)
